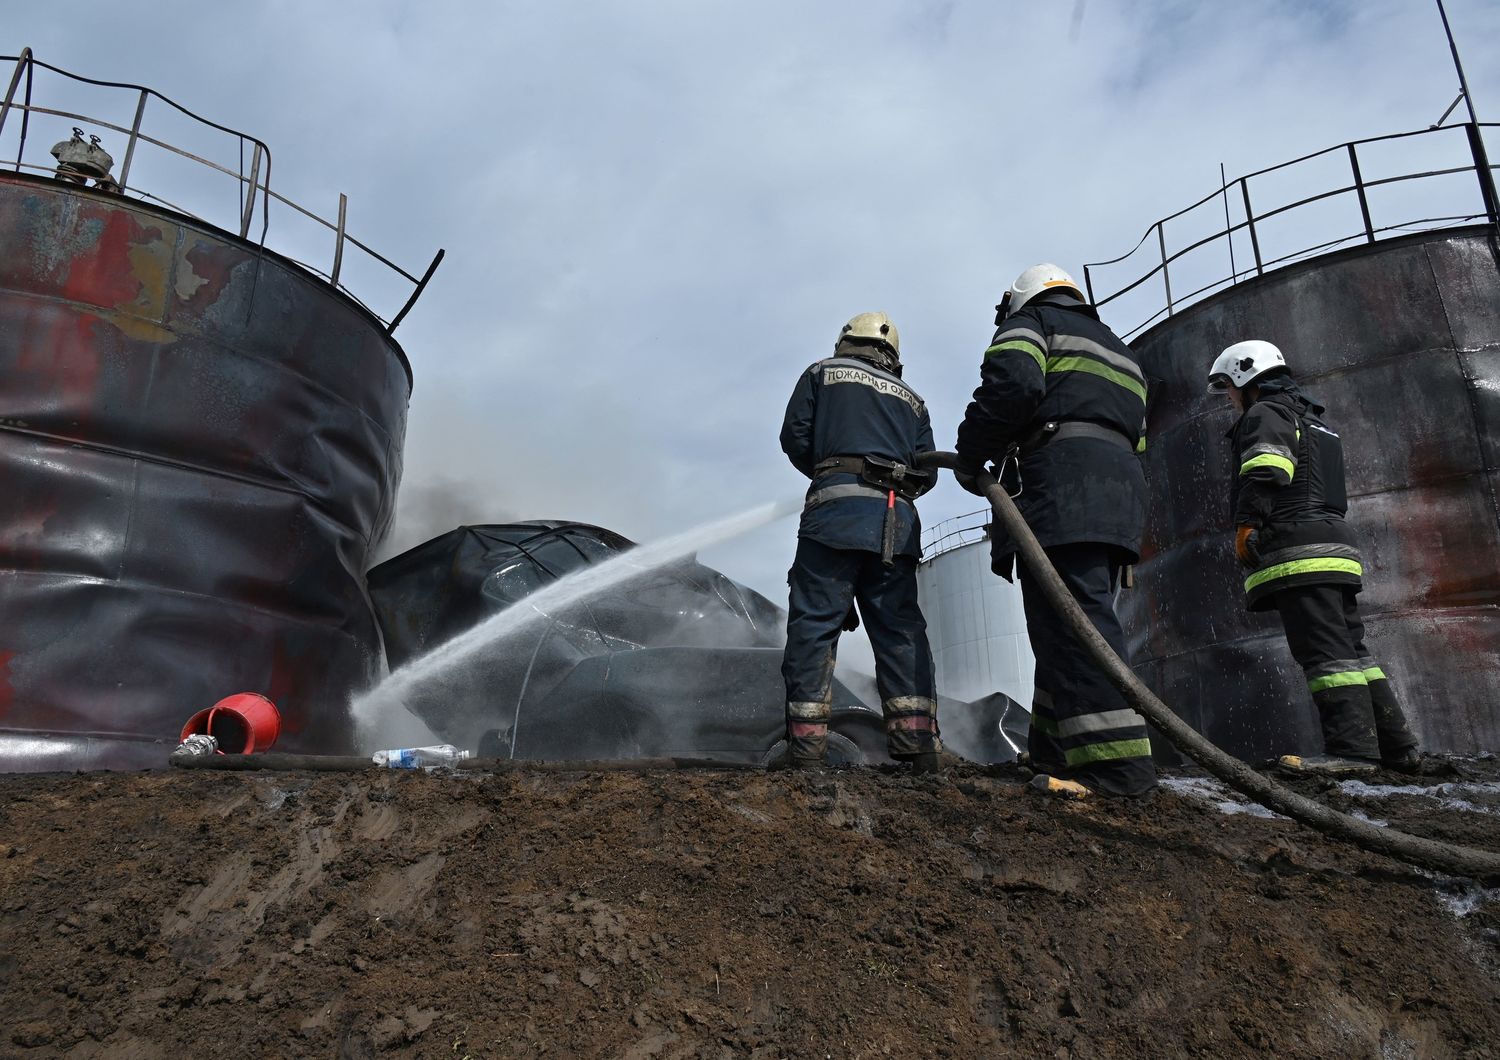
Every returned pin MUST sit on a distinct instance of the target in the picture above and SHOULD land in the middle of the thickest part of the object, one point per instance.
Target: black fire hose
(1449, 858)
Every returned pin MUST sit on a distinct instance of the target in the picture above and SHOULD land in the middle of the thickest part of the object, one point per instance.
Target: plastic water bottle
(434, 757)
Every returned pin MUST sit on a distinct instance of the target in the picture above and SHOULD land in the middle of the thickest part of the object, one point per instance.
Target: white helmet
(1242, 364)
(874, 327)
(1034, 281)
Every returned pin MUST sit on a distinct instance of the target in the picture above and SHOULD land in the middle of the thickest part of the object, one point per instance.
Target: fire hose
(1449, 858)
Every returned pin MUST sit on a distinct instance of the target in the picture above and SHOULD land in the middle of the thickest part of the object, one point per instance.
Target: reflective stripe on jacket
(847, 406)
(1055, 362)
(1289, 486)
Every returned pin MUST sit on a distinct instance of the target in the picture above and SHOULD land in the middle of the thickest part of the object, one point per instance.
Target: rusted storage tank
(200, 444)
(1401, 339)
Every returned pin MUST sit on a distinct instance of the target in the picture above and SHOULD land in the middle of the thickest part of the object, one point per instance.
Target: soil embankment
(688, 914)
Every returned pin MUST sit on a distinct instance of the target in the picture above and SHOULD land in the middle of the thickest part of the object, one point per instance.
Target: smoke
(436, 504)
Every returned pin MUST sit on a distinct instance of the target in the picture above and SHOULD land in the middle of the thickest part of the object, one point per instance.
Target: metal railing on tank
(1275, 235)
(254, 184)
(954, 533)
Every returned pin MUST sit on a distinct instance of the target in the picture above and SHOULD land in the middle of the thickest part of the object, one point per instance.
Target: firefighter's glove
(1244, 545)
(851, 620)
(967, 476)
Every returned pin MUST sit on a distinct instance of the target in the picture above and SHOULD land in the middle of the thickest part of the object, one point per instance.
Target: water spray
(390, 696)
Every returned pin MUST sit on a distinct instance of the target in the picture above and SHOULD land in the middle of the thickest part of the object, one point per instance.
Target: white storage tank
(975, 621)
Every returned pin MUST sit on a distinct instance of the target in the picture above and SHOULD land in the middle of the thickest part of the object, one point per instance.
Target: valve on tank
(78, 161)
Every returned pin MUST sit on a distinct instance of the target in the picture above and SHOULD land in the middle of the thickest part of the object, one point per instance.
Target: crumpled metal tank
(1401, 341)
(200, 445)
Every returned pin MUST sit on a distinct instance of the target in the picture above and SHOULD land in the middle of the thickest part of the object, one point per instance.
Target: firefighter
(1289, 500)
(855, 428)
(1061, 407)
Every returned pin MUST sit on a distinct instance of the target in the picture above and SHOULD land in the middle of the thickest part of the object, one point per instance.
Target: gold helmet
(872, 327)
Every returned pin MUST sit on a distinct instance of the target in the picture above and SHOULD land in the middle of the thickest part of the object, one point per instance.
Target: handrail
(1175, 301)
(950, 533)
(255, 187)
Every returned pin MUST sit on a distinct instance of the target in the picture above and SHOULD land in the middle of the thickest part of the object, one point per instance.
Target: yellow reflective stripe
(1105, 752)
(1103, 371)
(1304, 566)
(1374, 673)
(1350, 677)
(1280, 463)
(1140, 446)
(1025, 346)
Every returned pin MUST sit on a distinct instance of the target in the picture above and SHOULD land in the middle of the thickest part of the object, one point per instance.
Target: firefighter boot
(807, 734)
(1398, 746)
(1326, 765)
(911, 731)
(1061, 789)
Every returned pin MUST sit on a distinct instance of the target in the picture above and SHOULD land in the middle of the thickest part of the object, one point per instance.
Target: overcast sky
(657, 214)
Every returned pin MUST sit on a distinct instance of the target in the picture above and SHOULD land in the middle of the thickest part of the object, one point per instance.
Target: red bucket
(244, 723)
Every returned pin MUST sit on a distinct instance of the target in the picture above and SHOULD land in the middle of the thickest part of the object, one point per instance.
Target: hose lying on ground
(1444, 857)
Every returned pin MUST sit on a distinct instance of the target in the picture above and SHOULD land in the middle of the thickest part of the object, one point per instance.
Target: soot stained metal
(1401, 340)
(200, 444)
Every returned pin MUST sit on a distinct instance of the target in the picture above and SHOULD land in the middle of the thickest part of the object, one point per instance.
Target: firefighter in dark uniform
(1289, 501)
(855, 428)
(1061, 404)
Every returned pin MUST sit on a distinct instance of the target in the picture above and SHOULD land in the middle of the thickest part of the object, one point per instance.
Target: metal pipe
(1359, 189)
(249, 210)
(1250, 224)
(1463, 82)
(1457, 860)
(1234, 273)
(421, 286)
(135, 134)
(338, 240)
(25, 116)
(1166, 279)
(1484, 172)
(15, 79)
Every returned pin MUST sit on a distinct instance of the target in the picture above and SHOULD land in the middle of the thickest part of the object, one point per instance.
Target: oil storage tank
(975, 622)
(1398, 333)
(200, 444)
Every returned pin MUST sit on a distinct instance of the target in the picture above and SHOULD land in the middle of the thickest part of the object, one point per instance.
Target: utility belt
(1060, 430)
(885, 479)
(882, 475)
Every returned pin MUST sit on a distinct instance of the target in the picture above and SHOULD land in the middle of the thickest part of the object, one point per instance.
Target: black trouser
(1081, 726)
(1360, 714)
(824, 583)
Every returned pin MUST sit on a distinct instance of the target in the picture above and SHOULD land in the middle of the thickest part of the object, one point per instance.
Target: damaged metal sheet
(200, 445)
(681, 661)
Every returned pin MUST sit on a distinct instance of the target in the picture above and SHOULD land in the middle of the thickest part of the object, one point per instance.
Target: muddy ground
(687, 914)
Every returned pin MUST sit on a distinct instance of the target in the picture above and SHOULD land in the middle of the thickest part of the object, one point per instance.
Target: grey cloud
(656, 215)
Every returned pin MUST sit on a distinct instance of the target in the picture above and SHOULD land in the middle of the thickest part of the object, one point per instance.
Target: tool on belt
(888, 477)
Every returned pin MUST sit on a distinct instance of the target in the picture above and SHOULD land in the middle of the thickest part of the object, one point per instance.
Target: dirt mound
(685, 914)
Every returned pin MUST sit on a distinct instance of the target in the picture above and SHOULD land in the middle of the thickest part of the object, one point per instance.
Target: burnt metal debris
(681, 661)
(678, 661)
